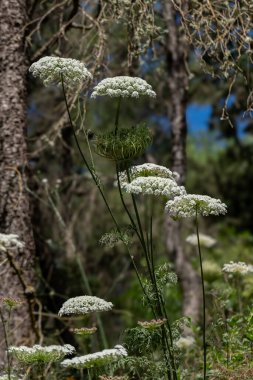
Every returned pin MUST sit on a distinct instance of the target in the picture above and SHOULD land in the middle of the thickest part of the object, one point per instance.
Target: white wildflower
(154, 186)
(6, 377)
(237, 268)
(123, 86)
(96, 359)
(50, 70)
(185, 206)
(8, 241)
(83, 305)
(149, 170)
(185, 343)
(42, 354)
(205, 240)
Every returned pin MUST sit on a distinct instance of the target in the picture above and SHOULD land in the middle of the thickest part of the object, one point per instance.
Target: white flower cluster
(151, 179)
(8, 241)
(39, 353)
(6, 377)
(123, 86)
(149, 170)
(83, 305)
(154, 186)
(97, 359)
(237, 268)
(50, 69)
(205, 240)
(185, 343)
(185, 206)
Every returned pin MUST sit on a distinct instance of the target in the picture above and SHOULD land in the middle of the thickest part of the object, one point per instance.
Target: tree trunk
(18, 272)
(177, 80)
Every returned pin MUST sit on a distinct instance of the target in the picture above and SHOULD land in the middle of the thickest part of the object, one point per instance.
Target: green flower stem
(87, 286)
(6, 339)
(203, 295)
(117, 117)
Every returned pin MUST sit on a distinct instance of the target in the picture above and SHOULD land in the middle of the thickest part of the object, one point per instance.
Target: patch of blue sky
(198, 117)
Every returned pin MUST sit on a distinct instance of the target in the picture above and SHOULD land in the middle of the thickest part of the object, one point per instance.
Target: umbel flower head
(40, 354)
(149, 170)
(84, 305)
(154, 186)
(186, 206)
(8, 241)
(128, 143)
(205, 240)
(84, 331)
(50, 70)
(124, 87)
(237, 268)
(97, 359)
(153, 324)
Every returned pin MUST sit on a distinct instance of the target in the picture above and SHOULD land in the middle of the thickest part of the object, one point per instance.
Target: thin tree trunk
(17, 274)
(177, 81)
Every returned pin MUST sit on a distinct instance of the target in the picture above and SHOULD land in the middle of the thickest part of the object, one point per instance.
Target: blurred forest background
(201, 70)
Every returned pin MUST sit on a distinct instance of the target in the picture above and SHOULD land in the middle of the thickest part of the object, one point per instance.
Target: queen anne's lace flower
(149, 170)
(123, 86)
(41, 354)
(205, 240)
(8, 241)
(50, 69)
(153, 324)
(97, 359)
(83, 305)
(154, 186)
(237, 268)
(185, 206)
(185, 343)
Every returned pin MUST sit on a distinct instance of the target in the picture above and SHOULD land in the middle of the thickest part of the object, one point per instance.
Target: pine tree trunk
(177, 81)
(17, 273)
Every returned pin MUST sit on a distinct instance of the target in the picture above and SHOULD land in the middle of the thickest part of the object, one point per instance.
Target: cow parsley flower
(184, 343)
(123, 86)
(50, 69)
(153, 324)
(237, 268)
(154, 186)
(84, 331)
(83, 305)
(40, 354)
(97, 359)
(8, 241)
(205, 240)
(185, 206)
(149, 170)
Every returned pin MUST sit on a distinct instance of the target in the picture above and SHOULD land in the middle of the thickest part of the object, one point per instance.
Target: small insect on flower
(84, 305)
(97, 359)
(185, 343)
(9, 241)
(40, 354)
(205, 240)
(124, 87)
(186, 206)
(237, 268)
(84, 331)
(51, 69)
(153, 324)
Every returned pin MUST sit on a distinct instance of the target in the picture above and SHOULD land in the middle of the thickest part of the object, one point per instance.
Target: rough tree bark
(17, 276)
(177, 81)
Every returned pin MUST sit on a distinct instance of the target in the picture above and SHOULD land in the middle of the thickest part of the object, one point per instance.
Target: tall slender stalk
(6, 339)
(203, 295)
